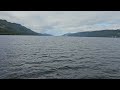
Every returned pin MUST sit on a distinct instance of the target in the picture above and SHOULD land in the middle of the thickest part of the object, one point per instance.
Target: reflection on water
(59, 57)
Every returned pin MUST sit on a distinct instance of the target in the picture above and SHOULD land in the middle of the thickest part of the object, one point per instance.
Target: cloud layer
(61, 22)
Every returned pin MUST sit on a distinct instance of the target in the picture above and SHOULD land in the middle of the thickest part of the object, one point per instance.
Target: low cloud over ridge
(61, 22)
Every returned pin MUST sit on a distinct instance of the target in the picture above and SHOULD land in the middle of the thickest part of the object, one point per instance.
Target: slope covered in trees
(8, 28)
(101, 33)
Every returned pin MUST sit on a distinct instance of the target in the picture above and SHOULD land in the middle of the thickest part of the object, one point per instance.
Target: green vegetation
(102, 33)
(8, 28)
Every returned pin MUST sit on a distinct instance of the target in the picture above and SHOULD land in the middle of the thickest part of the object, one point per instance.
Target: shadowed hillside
(102, 33)
(8, 28)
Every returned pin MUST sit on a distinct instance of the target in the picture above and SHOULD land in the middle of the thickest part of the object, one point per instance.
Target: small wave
(62, 60)
(73, 67)
(37, 73)
(42, 62)
(33, 62)
(85, 57)
(64, 57)
(95, 77)
(45, 55)
(111, 57)
(111, 71)
(17, 65)
(32, 74)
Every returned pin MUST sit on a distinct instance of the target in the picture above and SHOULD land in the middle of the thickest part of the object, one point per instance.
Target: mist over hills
(8, 28)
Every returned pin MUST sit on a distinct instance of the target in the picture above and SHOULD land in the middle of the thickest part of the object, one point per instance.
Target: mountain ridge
(8, 28)
(100, 33)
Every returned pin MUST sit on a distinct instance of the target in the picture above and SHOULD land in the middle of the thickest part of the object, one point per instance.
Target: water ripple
(59, 57)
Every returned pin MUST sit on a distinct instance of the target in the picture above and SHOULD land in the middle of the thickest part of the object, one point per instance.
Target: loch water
(52, 57)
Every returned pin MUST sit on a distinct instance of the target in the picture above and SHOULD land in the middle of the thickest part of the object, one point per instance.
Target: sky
(61, 22)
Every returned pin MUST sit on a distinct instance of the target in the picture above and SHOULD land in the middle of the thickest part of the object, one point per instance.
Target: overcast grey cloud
(61, 22)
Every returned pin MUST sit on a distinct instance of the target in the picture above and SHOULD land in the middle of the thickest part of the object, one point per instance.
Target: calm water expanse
(37, 57)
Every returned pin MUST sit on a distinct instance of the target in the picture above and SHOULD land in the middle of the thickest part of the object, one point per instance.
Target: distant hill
(8, 28)
(44, 34)
(101, 33)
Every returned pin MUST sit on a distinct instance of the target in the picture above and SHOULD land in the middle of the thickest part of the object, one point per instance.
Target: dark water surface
(26, 57)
